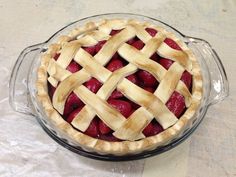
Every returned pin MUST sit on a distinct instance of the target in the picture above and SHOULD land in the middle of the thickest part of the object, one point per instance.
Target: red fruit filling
(172, 44)
(116, 94)
(151, 31)
(73, 67)
(56, 56)
(91, 50)
(124, 107)
(138, 44)
(115, 64)
(73, 114)
(72, 103)
(147, 79)
(176, 104)
(133, 78)
(93, 130)
(113, 32)
(51, 90)
(152, 128)
(103, 128)
(93, 85)
(99, 45)
(131, 41)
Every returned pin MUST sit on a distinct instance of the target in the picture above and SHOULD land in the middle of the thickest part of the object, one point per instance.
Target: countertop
(26, 150)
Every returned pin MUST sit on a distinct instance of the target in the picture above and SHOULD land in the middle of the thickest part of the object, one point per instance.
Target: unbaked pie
(119, 86)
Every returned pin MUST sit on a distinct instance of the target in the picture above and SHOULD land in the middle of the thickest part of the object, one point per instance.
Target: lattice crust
(152, 104)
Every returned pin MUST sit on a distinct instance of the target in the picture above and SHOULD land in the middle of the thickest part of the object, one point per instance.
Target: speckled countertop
(27, 151)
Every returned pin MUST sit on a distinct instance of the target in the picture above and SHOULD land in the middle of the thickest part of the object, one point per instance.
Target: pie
(119, 86)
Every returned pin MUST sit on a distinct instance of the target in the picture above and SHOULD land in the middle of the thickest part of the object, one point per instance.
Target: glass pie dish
(23, 91)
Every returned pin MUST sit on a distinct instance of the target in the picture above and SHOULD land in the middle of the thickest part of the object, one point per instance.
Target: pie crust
(152, 104)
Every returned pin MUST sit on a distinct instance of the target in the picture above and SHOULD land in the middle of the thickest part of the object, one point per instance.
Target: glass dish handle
(18, 85)
(219, 86)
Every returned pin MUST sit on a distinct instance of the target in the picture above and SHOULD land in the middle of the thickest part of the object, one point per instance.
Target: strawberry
(138, 44)
(166, 63)
(114, 64)
(51, 90)
(93, 85)
(73, 114)
(123, 107)
(147, 79)
(99, 45)
(131, 41)
(151, 31)
(108, 137)
(116, 94)
(103, 128)
(187, 79)
(147, 131)
(93, 130)
(153, 128)
(72, 103)
(91, 50)
(132, 78)
(176, 104)
(56, 56)
(155, 57)
(172, 44)
(116, 57)
(73, 67)
(149, 89)
(113, 32)
(134, 105)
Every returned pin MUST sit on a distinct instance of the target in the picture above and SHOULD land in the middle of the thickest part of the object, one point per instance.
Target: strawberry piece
(108, 137)
(166, 63)
(151, 31)
(155, 57)
(172, 44)
(51, 90)
(99, 45)
(148, 129)
(138, 44)
(56, 56)
(114, 64)
(131, 41)
(73, 67)
(134, 105)
(103, 128)
(116, 56)
(116, 94)
(132, 78)
(73, 114)
(93, 85)
(149, 89)
(153, 128)
(113, 32)
(93, 130)
(123, 107)
(147, 79)
(176, 104)
(91, 50)
(72, 103)
(187, 79)
(157, 128)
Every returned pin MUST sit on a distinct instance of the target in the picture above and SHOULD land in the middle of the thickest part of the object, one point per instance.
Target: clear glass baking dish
(23, 90)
